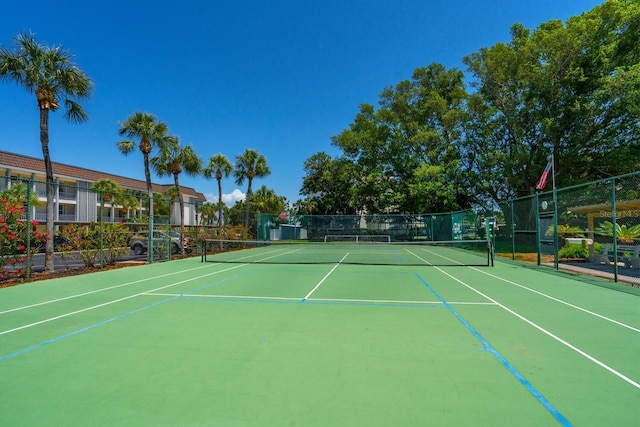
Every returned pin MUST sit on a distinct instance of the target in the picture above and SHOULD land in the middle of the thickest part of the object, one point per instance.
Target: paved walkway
(625, 275)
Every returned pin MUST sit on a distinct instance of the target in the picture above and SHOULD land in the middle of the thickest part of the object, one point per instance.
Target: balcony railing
(42, 216)
(67, 195)
(63, 194)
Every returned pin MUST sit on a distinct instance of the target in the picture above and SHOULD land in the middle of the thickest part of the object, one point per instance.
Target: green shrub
(624, 233)
(564, 231)
(84, 242)
(573, 251)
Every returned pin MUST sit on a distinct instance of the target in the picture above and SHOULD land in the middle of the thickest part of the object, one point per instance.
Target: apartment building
(75, 202)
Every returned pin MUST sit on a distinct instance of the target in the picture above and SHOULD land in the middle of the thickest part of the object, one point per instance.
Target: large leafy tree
(173, 160)
(329, 185)
(249, 165)
(568, 89)
(151, 134)
(219, 167)
(407, 151)
(564, 89)
(51, 74)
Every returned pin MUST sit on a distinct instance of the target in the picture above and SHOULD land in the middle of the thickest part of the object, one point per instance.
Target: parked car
(58, 241)
(161, 239)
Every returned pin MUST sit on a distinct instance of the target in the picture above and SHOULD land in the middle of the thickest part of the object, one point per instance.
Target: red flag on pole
(543, 178)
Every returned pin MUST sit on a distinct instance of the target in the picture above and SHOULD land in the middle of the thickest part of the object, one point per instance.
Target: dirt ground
(528, 257)
(37, 276)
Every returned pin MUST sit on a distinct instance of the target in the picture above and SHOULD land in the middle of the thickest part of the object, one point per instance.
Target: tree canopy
(443, 140)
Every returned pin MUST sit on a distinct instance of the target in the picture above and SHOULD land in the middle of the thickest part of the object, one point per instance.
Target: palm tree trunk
(181, 202)
(44, 141)
(147, 175)
(246, 209)
(220, 208)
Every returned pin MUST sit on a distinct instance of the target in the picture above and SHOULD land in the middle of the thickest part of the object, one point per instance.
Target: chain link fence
(92, 228)
(592, 228)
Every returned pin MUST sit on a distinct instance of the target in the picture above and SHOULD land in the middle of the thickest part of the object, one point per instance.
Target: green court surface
(187, 343)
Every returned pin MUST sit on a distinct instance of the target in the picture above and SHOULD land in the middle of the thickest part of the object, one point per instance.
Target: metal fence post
(538, 237)
(29, 257)
(512, 227)
(613, 229)
(101, 227)
(556, 263)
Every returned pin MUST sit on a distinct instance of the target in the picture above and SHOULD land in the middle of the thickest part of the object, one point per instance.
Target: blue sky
(280, 77)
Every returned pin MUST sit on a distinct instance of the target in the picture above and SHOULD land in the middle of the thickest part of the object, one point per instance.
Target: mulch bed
(68, 272)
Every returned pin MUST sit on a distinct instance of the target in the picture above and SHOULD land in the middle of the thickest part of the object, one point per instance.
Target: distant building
(75, 202)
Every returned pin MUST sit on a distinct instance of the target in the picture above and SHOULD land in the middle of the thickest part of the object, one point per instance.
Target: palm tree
(152, 134)
(207, 213)
(221, 167)
(161, 206)
(249, 165)
(172, 194)
(130, 203)
(17, 194)
(109, 192)
(267, 201)
(173, 160)
(50, 73)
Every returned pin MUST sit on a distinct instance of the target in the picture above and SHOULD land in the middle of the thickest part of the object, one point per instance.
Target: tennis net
(365, 252)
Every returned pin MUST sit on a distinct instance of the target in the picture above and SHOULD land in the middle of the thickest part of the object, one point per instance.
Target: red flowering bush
(84, 242)
(14, 235)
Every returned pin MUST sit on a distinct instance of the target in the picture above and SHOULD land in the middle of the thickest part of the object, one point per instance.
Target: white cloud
(231, 199)
(227, 199)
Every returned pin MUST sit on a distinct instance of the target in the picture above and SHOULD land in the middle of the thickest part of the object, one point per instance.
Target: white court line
(325, 277)
(560, 301)
(117, 300)
(222, 296)
(101, 290)
(244, 258)
(119, 286)
(546, 332)
(345, 300)
(381, 301)
(128, 297)
(433, 253)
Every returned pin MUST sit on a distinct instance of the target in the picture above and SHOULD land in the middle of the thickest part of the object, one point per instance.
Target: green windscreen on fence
(349, 249)
(464, 225)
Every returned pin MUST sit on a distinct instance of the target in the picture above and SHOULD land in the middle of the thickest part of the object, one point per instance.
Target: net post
(490, 225)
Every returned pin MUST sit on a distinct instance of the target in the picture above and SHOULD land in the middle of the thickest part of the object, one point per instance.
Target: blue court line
(497, 355)
(398, 254)
(85, 329)
(113, 319)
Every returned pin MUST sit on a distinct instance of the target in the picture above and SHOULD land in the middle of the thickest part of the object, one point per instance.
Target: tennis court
(274, 344)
